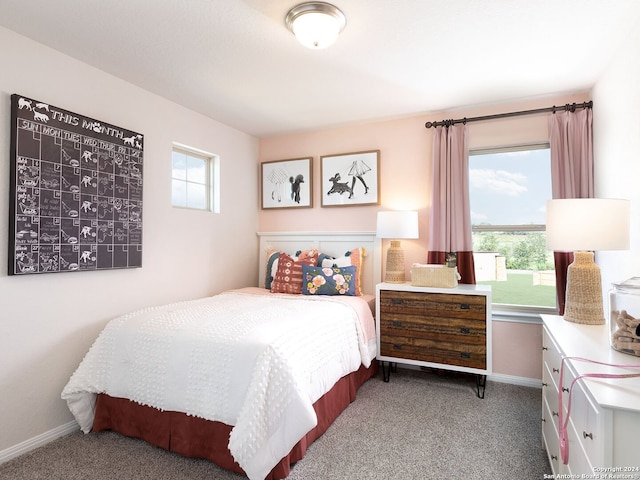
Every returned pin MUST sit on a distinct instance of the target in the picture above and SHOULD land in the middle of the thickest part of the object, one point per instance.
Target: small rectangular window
(508, 191)
(194, 179)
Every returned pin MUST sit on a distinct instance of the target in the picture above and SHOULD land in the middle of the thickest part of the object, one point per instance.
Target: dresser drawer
(550, 436)
(579, 463)
(471, 355)
(550, 394)
(434, 305)
(436, 328)
(587, 421)
(551, 358)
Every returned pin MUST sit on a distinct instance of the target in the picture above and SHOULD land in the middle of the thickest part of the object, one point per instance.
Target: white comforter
(255, 362)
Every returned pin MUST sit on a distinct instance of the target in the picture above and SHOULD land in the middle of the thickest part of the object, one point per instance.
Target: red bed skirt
(198, 438)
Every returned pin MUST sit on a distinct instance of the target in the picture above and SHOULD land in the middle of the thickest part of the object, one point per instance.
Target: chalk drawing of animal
(86, 155)
(41, 117)
(129, 140)
(86, 230)
(42, 106)
(23, 103)
(338, 187)
(295, 187)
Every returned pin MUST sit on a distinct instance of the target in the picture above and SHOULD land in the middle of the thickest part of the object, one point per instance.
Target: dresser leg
(386, 371)
(481, 383)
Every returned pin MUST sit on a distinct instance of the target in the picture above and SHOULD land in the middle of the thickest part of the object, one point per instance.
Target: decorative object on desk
(425, 275)
(624, 316)
(316, 25)
(451, 259)
(583, 225)
(395, 225)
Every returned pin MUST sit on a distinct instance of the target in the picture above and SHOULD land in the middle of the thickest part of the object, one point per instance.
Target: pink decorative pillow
(288, 278)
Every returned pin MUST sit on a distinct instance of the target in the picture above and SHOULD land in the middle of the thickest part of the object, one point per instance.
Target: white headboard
(332, 243)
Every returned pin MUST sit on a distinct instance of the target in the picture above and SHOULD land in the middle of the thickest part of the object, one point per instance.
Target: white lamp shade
(397, 224)
(587, 224)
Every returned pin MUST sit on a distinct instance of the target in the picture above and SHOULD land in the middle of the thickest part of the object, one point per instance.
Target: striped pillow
(288, 278)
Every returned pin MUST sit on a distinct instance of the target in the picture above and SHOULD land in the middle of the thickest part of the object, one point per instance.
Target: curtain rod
(567, 108)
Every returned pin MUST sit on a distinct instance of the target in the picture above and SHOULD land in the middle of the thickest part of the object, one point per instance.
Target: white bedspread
(255, 362)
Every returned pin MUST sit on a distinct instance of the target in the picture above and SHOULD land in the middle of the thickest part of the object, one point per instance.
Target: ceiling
(235, 61)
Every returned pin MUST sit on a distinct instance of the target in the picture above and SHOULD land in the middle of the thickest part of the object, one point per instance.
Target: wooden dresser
(444, 328)
(604, 423)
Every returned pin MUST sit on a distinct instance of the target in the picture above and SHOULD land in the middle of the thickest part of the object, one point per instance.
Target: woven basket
(434, 276)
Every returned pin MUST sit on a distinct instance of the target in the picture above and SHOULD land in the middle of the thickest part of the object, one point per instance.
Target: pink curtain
(571, 140)
(450, 222)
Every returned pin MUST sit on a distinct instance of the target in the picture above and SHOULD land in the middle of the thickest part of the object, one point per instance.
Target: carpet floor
(420, 425)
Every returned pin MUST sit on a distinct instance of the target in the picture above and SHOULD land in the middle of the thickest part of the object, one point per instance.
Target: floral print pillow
(328, 280)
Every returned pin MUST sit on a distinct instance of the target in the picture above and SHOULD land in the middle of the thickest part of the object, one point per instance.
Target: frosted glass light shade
(316, 25)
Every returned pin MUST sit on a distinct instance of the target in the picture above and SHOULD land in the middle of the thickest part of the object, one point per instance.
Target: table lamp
(396, 225)
(584, 225)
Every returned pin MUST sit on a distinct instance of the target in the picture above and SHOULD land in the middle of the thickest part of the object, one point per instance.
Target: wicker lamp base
(395, 272)
(584, 291)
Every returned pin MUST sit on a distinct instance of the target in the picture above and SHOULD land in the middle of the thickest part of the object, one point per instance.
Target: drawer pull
(396, 301)
(587, 435)
(544, 384)
(554, 457)
(465, 354)
(465, 306)
(555, 370)
(396, 323)
(545, 348)
(397, 346)
(544, 419)
(465, 330)
(565, 389)
(554, 414)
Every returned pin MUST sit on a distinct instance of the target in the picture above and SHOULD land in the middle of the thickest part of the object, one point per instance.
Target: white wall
(616, 119)
(48, 322)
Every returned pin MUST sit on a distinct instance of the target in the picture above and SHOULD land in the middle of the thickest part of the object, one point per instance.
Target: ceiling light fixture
(316, 25)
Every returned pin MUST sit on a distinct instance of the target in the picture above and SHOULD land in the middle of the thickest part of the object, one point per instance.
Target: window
(194, 179)
(509, 188)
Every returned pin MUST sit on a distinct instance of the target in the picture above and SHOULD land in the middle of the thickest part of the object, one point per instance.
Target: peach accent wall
(405, 183)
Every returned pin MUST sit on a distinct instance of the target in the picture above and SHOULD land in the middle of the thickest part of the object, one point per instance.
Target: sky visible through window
(510, 188)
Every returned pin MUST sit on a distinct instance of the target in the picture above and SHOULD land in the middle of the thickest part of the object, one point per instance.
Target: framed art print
(350, 179)
(286, 183)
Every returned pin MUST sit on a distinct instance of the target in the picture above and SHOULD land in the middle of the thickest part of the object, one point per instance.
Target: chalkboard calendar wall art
(76, 192)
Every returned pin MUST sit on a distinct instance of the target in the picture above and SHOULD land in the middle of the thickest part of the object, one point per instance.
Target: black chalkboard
(76, 192)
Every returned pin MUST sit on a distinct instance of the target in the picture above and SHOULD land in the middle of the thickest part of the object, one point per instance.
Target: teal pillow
(328, 280)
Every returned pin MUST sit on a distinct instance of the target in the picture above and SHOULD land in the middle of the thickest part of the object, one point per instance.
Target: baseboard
(38, 441)
(494, 377)
(523, 381)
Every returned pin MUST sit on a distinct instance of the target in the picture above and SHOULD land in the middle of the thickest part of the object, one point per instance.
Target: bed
(248, 378)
